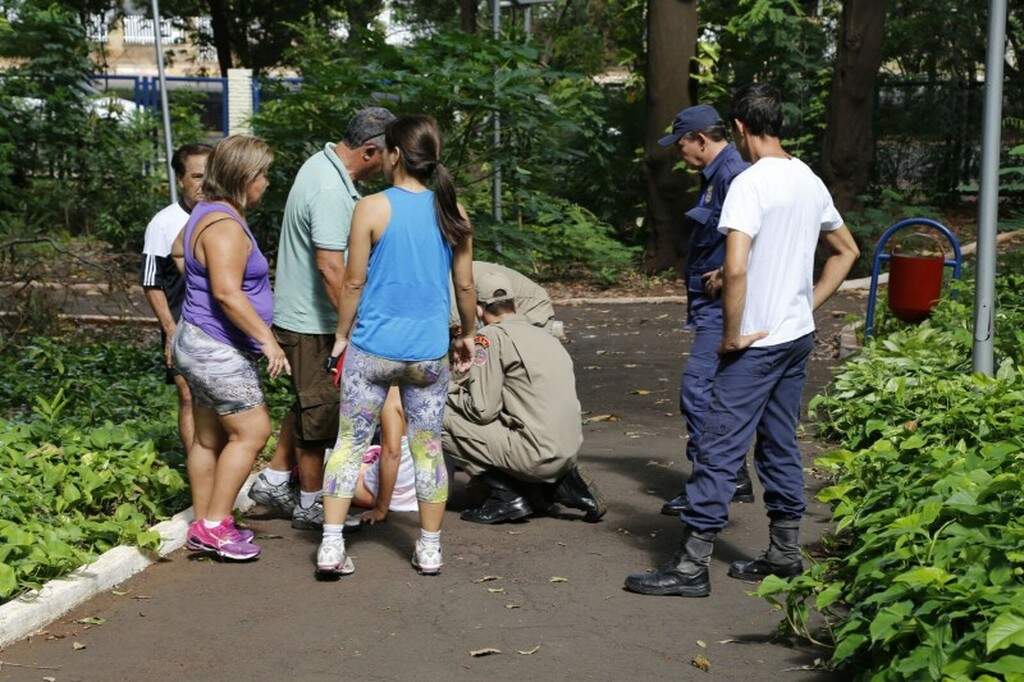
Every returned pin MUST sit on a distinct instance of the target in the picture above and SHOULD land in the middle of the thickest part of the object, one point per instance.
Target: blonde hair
(236, 161)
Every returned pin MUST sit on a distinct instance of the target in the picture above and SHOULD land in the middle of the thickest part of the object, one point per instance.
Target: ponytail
(420, 142)
(454, 226)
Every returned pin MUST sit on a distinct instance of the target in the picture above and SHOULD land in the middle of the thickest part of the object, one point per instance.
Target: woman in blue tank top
(405, 245)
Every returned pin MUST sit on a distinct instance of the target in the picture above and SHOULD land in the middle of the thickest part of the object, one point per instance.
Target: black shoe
(744, 493)
(667, 580)
(496, 510)
(577, 490)
(744, 486)
(758, 569)
(686, 575)
(677, 505)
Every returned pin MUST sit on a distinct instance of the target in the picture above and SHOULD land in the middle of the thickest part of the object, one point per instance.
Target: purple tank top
(201, 308)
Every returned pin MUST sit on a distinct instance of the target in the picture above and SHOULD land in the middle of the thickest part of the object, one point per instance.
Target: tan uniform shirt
(522, 377)
(532, 300)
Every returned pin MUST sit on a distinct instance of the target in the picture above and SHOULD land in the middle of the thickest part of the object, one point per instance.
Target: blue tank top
(403, 312)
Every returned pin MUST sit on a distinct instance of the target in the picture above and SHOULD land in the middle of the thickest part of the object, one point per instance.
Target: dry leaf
(558, 579)
(630, 366)
(701, 663)
(510, 605)
(702, 644)
(515, 532)
(561, 544)
(77, 646)
(529, 652)
(488, 578)
(496, 590)
(49, 679)
(640, 391)
(661, 317)
(118, 593)
(142, 596)
(489, 651)
(601, 418)
(92, 620)
(911, 425)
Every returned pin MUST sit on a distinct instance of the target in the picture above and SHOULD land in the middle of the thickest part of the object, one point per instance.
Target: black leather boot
(505, 502)
(578, 490)
(744, 493)
(686, 575)
(782, 558)
(744, 486)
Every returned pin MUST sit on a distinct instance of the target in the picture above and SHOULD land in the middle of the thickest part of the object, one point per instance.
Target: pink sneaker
(224, 540)
(193, 544)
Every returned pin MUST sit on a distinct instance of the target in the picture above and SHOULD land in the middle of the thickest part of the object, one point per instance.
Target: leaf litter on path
(557, 579)
(488, 651)
(528, 652)
(488, 578)
(701, 662)
(601, 418)
(92, 620)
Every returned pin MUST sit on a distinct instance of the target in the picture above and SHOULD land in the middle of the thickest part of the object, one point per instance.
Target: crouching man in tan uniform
(531, 299)
(513, 421)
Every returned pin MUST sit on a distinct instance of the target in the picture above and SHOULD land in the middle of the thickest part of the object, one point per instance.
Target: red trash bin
(915, 285)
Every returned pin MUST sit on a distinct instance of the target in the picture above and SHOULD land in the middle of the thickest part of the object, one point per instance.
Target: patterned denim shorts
(221, 377)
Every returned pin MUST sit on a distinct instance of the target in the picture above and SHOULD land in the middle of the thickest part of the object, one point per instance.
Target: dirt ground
(195, 619)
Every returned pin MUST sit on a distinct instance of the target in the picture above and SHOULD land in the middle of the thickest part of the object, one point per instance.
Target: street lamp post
(988, 197)
(164, 109)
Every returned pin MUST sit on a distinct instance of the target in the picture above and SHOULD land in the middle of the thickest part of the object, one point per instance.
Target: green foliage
(924, 576)
(555, 142)
(69, 160)
(772, 41)
(88, 456)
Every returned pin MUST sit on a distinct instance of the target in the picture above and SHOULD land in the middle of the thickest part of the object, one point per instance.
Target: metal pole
(528, 22)
(988, 198)
(164, 108)
(496, 141)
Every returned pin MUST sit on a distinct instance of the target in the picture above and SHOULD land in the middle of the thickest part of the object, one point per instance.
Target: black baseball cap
(690, 120)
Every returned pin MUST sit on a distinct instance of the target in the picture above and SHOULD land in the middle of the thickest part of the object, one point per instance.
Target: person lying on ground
(513, 421)
(224, 329)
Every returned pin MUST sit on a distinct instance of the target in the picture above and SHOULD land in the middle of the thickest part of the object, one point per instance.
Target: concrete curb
(619, 300)
(849, 343)
(26, 614)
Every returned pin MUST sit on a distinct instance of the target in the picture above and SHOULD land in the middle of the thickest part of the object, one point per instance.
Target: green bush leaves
(924, 575)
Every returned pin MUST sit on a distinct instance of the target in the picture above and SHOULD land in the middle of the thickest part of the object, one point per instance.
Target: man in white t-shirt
(161, 279)
(773, 218)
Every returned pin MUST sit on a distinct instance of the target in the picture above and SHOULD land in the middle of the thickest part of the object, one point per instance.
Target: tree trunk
(221, 34)
(467, 15)
(671, 45)
(360, 14)
(850, 136)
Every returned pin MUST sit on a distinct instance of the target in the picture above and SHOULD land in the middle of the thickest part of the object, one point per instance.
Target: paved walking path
(188, 619)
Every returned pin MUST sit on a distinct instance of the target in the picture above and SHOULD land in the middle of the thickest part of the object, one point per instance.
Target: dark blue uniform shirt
(707, 244)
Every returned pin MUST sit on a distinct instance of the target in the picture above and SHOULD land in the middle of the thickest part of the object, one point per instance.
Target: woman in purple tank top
(224, 329)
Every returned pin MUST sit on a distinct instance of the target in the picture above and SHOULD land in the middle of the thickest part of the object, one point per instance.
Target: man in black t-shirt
(162, 280)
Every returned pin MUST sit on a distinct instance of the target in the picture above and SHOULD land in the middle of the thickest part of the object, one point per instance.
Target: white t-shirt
(161, 232)
(784, 207)
(404, 497)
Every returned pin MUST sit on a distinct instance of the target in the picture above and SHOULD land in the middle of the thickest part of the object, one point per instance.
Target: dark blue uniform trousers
(695, 385)
(756, 391)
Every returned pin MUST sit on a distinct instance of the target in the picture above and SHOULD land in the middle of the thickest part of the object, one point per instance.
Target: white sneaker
(332, 558)
(427, 560)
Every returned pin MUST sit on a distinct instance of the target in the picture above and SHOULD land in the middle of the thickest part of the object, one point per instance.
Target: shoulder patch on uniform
(482, 340)
(480, 356)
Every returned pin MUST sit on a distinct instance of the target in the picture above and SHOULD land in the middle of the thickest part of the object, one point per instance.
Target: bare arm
(225, 248)
(465, 300)
(734, 292)
(331, 266)
(157, 300)
(844, 254)
(392, 427)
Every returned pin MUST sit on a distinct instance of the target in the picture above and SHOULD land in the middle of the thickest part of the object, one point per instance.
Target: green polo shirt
(318, 215)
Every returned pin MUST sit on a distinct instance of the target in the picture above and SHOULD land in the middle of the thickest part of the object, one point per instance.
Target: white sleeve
(154, 242)
(830, 218)
(741, 209)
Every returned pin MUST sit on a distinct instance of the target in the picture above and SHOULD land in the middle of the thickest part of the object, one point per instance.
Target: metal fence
(929, 133)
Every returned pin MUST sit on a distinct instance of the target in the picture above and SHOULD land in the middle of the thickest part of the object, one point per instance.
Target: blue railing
(146, 93)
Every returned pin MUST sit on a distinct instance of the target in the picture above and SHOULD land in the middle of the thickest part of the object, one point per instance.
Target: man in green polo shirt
(310, 271)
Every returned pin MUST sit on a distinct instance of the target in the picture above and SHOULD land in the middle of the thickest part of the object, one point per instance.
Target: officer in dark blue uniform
(699, 134)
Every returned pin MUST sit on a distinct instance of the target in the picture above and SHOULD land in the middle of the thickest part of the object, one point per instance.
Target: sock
(306, 500)
(332, 530)
(430, 538)
(210, 525)
(275, 477)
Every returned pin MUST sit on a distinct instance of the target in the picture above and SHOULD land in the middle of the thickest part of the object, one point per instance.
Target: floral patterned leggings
(365, 381)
